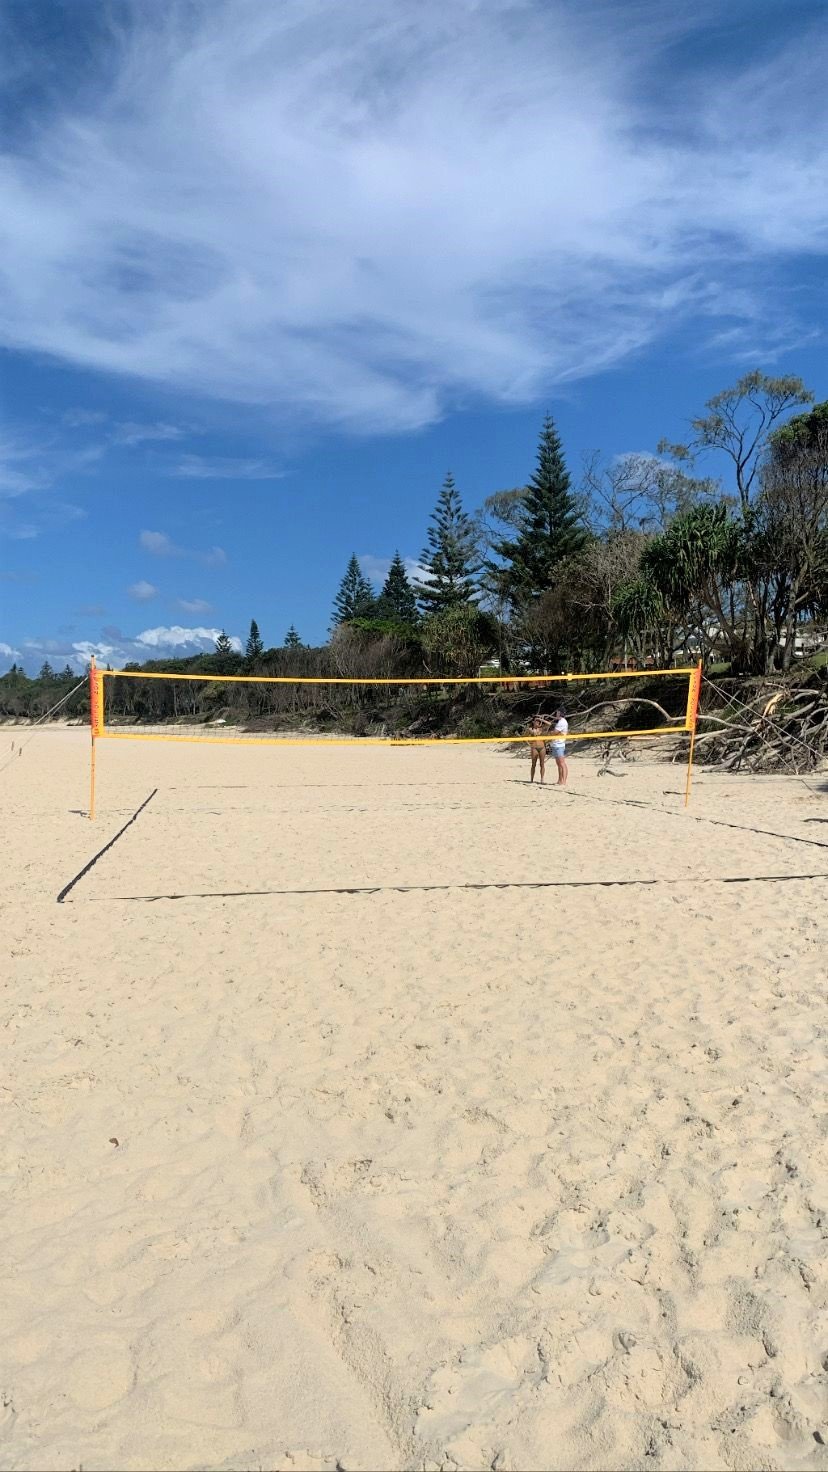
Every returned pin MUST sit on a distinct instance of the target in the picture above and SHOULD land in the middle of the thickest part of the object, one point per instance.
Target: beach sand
(353, 1118)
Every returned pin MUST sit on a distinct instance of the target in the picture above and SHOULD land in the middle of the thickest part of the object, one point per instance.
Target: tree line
(645, 561)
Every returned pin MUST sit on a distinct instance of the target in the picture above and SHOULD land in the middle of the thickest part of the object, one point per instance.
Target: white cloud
(376, 568)
(224, 467)
(86, 649)
(178, 638)
(142, 591)
(362, 213)
(160, 545)
(194, 605)
(7, 652)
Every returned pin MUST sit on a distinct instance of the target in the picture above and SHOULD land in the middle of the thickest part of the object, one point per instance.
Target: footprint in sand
(99, 1376)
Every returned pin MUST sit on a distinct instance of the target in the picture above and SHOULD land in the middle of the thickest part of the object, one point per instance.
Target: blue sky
(268, 271)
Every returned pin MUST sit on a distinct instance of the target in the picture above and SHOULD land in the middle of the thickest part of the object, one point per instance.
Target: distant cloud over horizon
(176, 637)
(115, 648)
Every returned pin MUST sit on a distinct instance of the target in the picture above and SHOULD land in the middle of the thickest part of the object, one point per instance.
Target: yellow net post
(693, 693)
(96, 716)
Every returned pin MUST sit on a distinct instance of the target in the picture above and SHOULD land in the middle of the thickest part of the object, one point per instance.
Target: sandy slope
(426, 1176)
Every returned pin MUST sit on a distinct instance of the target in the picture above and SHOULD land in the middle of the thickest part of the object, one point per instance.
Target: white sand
(450, 1177)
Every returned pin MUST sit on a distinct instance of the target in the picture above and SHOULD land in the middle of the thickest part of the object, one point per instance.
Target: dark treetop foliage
(548, 527)
(450, 558)
(292, 640)
(397, 601)
(355, 598)
(254, 649)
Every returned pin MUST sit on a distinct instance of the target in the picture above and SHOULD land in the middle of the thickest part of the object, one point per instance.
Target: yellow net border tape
(254, 740)
(408, 680)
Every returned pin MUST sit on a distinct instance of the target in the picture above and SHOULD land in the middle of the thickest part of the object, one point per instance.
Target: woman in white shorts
(558, 745)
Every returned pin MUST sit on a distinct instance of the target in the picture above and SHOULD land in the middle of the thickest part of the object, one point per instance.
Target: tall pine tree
(355, 598)
(254, 649)
(548, 526)
(292, 640)
(225, 656)
(450, 559)
(397, 600)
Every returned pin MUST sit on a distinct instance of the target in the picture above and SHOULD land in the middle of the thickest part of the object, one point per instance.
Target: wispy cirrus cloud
(129, 435)
(42, 513)
(30, 462)
(194, 605)
(361, 214)
(31, 465)
(34, 459)
(82, 418)
(224, 467)
(126, 434)
(159, 544)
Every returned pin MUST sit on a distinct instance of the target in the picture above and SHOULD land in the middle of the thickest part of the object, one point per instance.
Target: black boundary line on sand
(232, 894)
(67, 888)
(484, 885)
(633, 802)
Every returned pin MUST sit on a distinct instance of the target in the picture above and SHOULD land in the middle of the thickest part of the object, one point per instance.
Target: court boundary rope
(471, 885)
(634, 802)
(67, 888)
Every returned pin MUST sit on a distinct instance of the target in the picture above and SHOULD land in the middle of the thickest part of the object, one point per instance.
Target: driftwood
(783, 731)
(619, 742)
(773, 729)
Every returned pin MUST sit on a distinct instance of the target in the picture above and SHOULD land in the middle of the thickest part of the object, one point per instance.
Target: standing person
(559, 732)
(537, 749)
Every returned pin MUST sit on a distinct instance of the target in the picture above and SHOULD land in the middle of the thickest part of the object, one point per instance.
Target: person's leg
(563, 770)
(542, 760)
(534, 755)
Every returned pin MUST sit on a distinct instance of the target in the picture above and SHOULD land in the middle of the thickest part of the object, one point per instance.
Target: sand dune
(345, 1156)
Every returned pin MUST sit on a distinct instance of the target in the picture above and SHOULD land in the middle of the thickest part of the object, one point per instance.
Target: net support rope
(45, 717)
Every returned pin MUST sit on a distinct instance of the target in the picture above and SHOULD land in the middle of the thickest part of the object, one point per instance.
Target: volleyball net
(288, 710)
